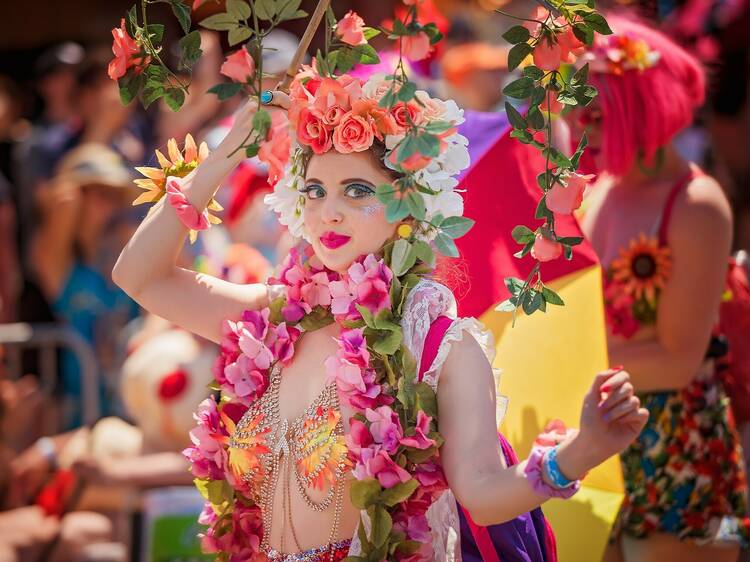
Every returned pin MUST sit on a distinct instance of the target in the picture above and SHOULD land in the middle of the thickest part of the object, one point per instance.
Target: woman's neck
(669, 166)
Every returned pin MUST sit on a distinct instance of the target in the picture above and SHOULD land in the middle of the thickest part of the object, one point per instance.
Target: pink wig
(643, 110)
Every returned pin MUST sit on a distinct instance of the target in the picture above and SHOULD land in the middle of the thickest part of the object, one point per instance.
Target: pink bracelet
(534, 473)
(188, 215)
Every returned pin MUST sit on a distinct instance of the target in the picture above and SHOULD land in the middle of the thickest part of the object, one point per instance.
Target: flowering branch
(548, 90)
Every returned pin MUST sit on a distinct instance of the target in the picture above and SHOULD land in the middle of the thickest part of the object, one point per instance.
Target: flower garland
(393, 440)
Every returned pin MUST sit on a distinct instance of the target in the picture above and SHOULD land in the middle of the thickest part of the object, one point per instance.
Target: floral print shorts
(685, 475)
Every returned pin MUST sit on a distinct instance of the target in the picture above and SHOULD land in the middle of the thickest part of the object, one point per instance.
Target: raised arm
(147, 270)
(471, 454)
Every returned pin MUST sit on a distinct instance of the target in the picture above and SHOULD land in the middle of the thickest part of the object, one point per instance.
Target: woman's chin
(337, 259)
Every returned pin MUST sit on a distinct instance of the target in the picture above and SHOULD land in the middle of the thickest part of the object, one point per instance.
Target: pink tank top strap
(677, 188)
(432, 342)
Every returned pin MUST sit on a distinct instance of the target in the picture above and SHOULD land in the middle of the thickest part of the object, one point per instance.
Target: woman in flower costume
(326, 441)
(662, 229)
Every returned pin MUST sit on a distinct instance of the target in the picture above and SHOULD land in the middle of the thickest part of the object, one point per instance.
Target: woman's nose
(331, 213)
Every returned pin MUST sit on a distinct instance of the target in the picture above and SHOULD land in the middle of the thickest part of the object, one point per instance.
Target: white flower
(453, 113)
(287, 202)
(446, 203)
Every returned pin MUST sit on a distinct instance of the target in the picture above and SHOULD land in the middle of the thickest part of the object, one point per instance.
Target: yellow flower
(643, 268)
(404, 230)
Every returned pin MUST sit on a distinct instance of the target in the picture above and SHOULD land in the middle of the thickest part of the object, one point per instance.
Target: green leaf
(456, 227)
(131, 21)
(389, 343)
(318, 318)
(523, 234)
(583, 33)
(520, 88)
(508, 305)
(396, 209)
(446, 246)
(399, 493)
(346, 58)
(403, 257)
(532, 301)
(407, 91)
(261, 122)
(513, 284)
(538, 96)
(525, 250)
(252, 150)
(570, 240)
(432, 31)
(524, 136)
(182, 13)
(542, 211)
(364, 493)
(238, 9)
(239, 34)
(130, 85)
(597, 23)
(155, 31)
(517, 54)
(568, 252)
(370, 32)
(424, 252)
(226, 90)
(535, 118)
(399, 28)
(366, 54)
(551, 297)
(566, 97)
(219, 22)
(425, 399)
(190, 49)
(289, 9)
(416, 205)
(515, 118)
(265, 9)
(151, 94)
(581, 76)
(533, 72)
(517, 34)
(557, 158)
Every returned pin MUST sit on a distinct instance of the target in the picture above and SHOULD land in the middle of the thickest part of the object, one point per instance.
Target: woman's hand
(243, 120)
(611, 418)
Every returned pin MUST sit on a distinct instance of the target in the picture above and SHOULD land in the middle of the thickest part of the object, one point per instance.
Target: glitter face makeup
(370, 210)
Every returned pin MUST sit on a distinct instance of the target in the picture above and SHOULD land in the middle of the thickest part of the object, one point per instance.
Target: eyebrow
(342, 182)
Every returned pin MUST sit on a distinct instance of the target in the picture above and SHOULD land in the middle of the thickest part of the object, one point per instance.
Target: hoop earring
(658, 162)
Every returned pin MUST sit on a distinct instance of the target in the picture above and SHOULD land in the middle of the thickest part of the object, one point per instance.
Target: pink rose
(415, 47)
(385, 427)
(374, 462)
(350, 29)
(332, 115)
(545, 249)
(127, 53)
(275, 150)
(566, 199)
(313, 132)
(353, 134)
(547, 54)
(239, 66)
(420, 440)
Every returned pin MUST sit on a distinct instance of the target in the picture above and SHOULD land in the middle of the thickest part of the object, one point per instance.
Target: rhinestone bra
(311, 450)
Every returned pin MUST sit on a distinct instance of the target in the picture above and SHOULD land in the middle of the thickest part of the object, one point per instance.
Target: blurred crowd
(77, 452)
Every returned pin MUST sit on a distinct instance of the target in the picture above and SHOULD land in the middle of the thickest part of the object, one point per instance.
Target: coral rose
(545, 249)
(415, 47)
(126, 50)
(313, 132)
(353, 134)
(239, 66)
(350, 29)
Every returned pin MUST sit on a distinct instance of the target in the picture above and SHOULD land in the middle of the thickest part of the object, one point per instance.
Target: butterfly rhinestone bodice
(267, 449)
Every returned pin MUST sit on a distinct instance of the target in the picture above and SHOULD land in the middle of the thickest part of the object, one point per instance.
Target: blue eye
(359, 191)
(313, 191)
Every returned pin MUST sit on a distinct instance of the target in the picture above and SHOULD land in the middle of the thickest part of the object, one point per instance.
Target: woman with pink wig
(662, 230)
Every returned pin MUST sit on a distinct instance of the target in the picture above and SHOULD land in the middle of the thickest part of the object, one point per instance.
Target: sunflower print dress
(684, 474)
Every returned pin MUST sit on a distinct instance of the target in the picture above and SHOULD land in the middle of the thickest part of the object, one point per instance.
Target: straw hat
(94, 164)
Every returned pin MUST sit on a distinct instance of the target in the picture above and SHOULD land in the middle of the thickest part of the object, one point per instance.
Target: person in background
(84, 219)
(662, 230)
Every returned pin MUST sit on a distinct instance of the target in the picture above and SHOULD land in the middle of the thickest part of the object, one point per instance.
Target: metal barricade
(47, 339)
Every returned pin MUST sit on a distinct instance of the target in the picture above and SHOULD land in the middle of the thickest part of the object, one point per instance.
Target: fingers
(281, 99)
(624, 408)
(621, 392)
(599, 385)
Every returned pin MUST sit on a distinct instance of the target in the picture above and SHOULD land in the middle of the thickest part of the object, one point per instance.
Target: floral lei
(393, 441)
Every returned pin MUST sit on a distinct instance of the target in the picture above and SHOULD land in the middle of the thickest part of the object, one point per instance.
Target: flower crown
(348, 114)
(617, 53)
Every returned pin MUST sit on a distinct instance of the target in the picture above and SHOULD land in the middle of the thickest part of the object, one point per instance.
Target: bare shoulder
(703, 209)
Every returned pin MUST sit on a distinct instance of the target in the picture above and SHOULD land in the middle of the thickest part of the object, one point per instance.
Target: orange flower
(127, 53)
(415, 47)
(643, 268)
(178, 165)
(350, 29)
(250, 443)
(326, 451)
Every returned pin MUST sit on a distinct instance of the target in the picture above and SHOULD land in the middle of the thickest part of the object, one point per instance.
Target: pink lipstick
(332, 240)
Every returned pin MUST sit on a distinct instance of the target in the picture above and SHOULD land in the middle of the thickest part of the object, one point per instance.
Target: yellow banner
(548, 362)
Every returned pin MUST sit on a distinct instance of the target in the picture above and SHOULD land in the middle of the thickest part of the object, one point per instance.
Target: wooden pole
(312, 27)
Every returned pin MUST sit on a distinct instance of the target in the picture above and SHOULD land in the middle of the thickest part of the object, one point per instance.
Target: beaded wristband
(188, 215)
(552, 470)
(535, 472)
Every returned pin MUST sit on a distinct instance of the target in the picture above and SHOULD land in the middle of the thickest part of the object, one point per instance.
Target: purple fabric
(482, 129)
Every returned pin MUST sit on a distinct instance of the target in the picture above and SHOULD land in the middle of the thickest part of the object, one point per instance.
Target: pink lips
(331, 240)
